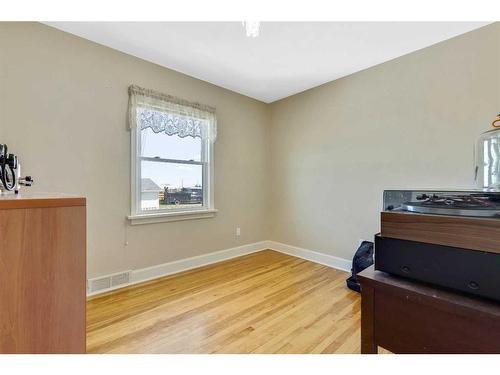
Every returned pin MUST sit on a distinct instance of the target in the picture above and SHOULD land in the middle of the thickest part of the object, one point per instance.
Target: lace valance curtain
(171, 115)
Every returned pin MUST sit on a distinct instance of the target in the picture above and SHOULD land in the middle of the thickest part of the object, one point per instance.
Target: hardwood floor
(266, 302)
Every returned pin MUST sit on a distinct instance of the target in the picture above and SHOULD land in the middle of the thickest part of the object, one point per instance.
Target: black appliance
(446, 238)
(469, 271)
(10, 172)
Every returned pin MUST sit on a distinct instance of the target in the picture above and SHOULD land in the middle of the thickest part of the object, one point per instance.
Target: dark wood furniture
(403, 316)
(42, 273)
(473, 233)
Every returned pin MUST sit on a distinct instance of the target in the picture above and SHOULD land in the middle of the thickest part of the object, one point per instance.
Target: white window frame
(139, 216)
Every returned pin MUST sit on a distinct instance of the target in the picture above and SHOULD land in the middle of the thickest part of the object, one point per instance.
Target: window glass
(173, 142)
(166, 146)
(170, 185)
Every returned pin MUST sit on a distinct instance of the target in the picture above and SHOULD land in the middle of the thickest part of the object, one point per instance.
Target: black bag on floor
(362, 259)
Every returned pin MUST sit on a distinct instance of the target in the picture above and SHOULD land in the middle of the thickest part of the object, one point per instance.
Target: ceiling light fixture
(252, 28)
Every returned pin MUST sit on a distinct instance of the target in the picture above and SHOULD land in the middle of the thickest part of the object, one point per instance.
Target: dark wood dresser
(406, 316)
(42, 273)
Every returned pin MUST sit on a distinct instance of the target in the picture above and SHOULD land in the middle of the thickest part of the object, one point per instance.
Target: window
(172, 157)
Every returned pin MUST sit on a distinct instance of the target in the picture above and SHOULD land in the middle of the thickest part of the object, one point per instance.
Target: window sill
(165, 217)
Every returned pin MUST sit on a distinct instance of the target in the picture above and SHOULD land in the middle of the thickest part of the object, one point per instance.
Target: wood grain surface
(404, 316)
(265, 302)
(473, 233)
(42, 279)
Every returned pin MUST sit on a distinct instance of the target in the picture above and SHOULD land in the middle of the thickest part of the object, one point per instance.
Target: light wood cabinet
(42, 273)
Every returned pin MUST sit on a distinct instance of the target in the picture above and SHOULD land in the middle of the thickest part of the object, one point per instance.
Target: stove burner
(485, 205)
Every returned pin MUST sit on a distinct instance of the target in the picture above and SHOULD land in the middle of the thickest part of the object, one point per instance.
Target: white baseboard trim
(165, 269)
(311, 255)
(170, 268)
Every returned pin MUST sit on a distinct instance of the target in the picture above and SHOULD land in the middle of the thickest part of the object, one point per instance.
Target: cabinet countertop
(39, 200)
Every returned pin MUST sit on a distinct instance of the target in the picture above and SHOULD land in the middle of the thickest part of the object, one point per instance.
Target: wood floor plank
(265, 302)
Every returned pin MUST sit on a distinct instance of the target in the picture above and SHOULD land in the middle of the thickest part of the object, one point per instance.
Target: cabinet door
(42, 280)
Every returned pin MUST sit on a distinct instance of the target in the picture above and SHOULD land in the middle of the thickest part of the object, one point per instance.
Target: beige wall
(407, 123)
(63, 103)
(327, 154)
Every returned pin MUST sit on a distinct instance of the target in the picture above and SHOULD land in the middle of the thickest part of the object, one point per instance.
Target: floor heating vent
(106, 282)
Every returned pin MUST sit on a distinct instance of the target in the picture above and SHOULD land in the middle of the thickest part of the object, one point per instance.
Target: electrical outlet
(238, 231)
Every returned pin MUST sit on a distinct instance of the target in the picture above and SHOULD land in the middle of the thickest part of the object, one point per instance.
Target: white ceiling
(287, 57)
